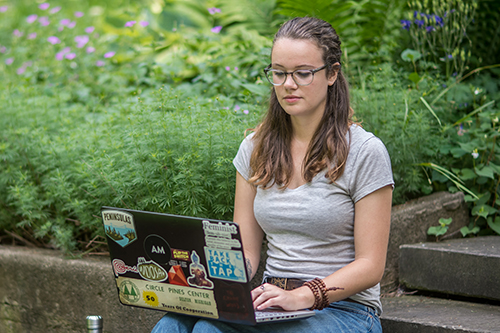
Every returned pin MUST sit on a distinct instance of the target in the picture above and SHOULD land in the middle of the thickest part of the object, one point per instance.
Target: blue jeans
(339, 317)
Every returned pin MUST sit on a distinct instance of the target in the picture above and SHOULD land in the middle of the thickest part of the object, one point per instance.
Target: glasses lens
(275, 77)
(303, 77)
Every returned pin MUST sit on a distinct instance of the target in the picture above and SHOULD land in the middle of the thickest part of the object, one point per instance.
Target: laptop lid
(179, 264)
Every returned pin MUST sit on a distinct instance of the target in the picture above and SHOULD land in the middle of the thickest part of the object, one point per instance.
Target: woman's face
(301, 101)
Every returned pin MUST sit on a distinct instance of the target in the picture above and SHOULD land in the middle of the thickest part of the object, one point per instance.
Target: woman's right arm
(251, 233)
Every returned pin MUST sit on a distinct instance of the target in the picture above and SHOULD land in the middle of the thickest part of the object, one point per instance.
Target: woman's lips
(291, 98)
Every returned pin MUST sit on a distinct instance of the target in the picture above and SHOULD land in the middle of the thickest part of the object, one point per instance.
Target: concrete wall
(41, 291)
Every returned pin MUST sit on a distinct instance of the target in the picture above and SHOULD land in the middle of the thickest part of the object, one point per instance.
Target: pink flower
(144, 23)
(81, 41)
(216, 29)
(64, 22)
(71, 24)
(59, 56)
(79, 14)
(213, 10)
(99, 63)
(53, 40)
(17, 33)
(32, 18)
(55, 10)
(3, 49)
(3, 9)
(32, 35)
(9, 61)
(44, 21)
(246, 111)
(70, 56)
(236, 68)
(89, 30)
(228, 68)
(109, 54)
(21, 70)
(129, 24)
(44, 6)
(90, 49)
(236, 107)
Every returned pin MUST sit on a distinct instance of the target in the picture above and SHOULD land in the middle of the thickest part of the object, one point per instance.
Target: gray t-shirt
(310, 229)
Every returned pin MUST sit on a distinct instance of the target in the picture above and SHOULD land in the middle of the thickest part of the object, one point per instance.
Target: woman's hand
(269, 295)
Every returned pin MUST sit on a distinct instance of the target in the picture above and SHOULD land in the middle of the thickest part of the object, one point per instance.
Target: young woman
(319, 187)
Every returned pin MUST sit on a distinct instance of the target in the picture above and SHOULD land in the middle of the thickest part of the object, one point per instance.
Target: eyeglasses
(302, 77)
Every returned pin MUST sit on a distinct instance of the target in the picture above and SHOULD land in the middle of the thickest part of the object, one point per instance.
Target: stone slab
(42, 291)
(410, 222)
(419, 314)
(466, 267)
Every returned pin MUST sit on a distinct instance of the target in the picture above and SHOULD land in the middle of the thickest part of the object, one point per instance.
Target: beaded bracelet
(319, 290)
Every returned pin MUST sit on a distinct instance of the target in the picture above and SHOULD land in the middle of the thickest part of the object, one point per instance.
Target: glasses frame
(312, 71)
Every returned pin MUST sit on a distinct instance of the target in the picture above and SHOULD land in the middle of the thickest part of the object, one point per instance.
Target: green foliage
(438, 32)
(397, 116)
(441, 229)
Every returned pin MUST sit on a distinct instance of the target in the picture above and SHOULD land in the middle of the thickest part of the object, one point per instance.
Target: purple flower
(89, 30)
(71, 24)
(9, 61)
(3, 9)
(228, 68)
(90, 49)
(109, 54)
(55, 10)
(129, 24)
(79, 14)
(450, 56)
(406, 24)
(461, 131)
(21, 70)
(99, 63)
(246, 111)
(44, 21)
(213, 10)
(53, 40)
(44, 6)
(17, 33)
(419, 23)
(236, 68)
(70, 56)
(59, 56)
(415, 14)
(81, 41)
(64, 22)
(3, 49)
(216, 29)
(144, 23)
(32, 35)
(236, 107)
(439, 20)
(32, 18)
(430, 29)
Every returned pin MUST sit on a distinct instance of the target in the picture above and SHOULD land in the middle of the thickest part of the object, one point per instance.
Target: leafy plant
(441, 229)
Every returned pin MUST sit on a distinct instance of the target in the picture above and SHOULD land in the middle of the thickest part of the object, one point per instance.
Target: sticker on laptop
(119, 267)
(225, 264)
(198, 276)
(157, 249)
(119, 226)
(151, 271)
(220, 235)
(168, 297)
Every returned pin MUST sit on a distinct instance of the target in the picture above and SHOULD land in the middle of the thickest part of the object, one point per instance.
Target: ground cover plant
(144, 104)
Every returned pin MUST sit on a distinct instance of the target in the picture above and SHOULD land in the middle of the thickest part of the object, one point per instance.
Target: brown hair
(271, 160)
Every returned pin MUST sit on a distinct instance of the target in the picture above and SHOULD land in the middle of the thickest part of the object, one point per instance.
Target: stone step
(419, 314)
(466, 267)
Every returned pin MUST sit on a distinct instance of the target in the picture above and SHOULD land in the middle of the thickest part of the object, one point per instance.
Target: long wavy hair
(271, 160)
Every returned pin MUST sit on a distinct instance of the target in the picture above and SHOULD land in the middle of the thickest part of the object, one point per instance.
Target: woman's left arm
(372, 218)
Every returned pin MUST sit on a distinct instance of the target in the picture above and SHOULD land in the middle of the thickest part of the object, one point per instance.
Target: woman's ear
(333, 74)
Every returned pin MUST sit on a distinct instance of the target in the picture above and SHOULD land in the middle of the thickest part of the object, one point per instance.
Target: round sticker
(157, 249)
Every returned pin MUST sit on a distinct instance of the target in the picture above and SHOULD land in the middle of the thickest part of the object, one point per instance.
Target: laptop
(187, 265)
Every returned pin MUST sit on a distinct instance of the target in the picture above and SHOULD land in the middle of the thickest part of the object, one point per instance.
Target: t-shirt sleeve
(372, 169)
(242, 159)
